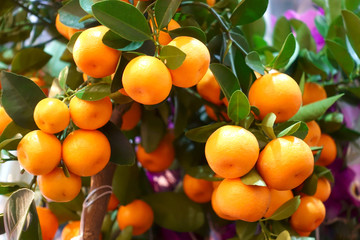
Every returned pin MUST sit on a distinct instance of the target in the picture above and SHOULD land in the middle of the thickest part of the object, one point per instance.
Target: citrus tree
(138, 119)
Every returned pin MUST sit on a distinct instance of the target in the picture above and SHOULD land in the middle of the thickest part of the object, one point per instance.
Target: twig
(45, 20)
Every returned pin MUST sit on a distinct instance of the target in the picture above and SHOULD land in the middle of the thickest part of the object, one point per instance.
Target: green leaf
(246, 230)
(19, 98)
(282, 30)
(29, 59)
(2, 226)
(164, 11)
(267, 125)
(253, 178)
(292, 128)
(248, 11)
(254, 62)
(113, 40)
(32, 228)
(239, 106)
(303, 35)
(302, 83)
(332, 122)
(226, 79)
(352, 5)
(71, 77)
(310, 185)
(172, 56)
(189, 31)
(11, 131)
(202, 172)
(341, 56)
(284, 235)
(94, 92)
(243, 72)
(286, 210)
(8, 188)
(201, 134)
(8, 141)
(152, 130)
(321, 171)
(71, 43)
(125, 183)
(6, 6)
(315, 110)
(130, 24)
(68, 211)
(71, 14)
(126, 233)
(174, 211)
(286, 52)
(122, 153)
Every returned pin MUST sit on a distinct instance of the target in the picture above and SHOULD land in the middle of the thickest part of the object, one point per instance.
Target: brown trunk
(94, 214)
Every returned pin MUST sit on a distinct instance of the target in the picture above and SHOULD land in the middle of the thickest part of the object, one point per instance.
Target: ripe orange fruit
(164, 37)
(231, 151)
(64, 30)
(92, 56)
(209, 88)
(277, 93)
(216, 208)
(147, 80)
(51, 115)
(59, 188)
(313, 92)
(113, 202)
(137, 214)
(72, 229)
(309, 215)
(285, 163)
(211, 2)
(243, 202)
(198, 190)
(329, 151)
(39, 152)
(314, 132)
(90, 115)
(48, 223)
(86, 152)
(41, 83)
(160, 159)
(195, 64)
(4, 119)
(211, 113)
(131, 117)
(278, 198)
(323, 189)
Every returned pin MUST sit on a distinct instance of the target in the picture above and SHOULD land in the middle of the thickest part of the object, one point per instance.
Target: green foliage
(286, 52)
(253, 178)
(254, 62)
(164, 11)
(226, 79)
(287, 209)
(94, 92)
(201, 134)
(245, 230)
(190, 31)
(28, 60)
(114, 40)
(239, 106)
(172, 56)
(248, 11)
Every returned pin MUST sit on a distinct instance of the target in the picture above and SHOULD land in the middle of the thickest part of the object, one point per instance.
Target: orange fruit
(48, 223)
(160, 159)
(323, 189)
(86, 152)
(113, 202)
(285, 163)
(198, 190)
(39, 152)
(209, 88)
(243, 202)
(137, 214)
(164, 37)
(314, 132)
(72, 229)
(51, 115)
(313, 92)
(211, 3)
(147, 80)
(216, 208)
(303, 234)
(231, 151)
(276, 93)
(4, 119)
(278, 198)
(211, 113)
(59, 188)
(131, 117)
(196, 62)
(64, 30)
(41, 83)
(122, 91)
(329, 152)
(92, 56)
(309, 215)
(90, 115)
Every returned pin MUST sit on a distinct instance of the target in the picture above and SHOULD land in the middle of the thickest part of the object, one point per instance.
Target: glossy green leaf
(284, 235)
(352, 5)
(246, 230)
(19, 98)
(243, 72)
(8, 188)
(201, 134)
(125, 183)
(282, 30)
(94, 92)
(203, 172)
(303, 35)
(175, 211)
(239, 106)
(314, 110)
(253, 178)
(68, 211)
(122, 152)
(342, 56)
(310, 185)
(286, 52)
(254, 62)
(332, 122)
(321, 171)
(254, 30)
(172, 56)
(73, 79)
(11, 132)
(267, 125)
(71, 14)
(32, 228)
(126, 233)
(321, 25)
(313, 63)
(29, 59)
(240, 41)
(292, 128)
(286, 210)
(302, 83)
(130, 24)
(189, 31)
(71, 43)
(113, 40)
(226, 79)
(8, 141)
(248, 11)
(164, 11)
(152, 130)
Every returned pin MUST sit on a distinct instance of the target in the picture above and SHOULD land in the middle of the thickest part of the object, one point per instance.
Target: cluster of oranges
(85, 151)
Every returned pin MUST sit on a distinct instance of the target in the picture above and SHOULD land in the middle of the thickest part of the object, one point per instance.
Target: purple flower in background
(163, 181)
(308, 17)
